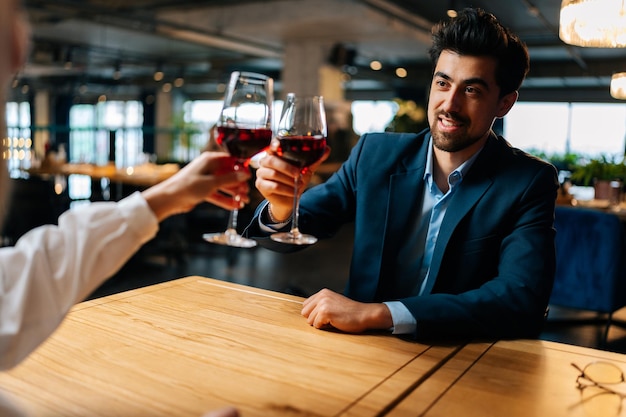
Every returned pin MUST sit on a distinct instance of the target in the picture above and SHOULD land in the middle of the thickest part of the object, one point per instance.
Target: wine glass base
(229, 239)
(293, 239)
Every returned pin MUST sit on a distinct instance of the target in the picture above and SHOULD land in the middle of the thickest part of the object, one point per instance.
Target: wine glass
(301, 141)
(243, 129)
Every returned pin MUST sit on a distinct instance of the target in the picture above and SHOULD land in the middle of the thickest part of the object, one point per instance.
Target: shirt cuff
(140, 218)
(403, 320)
(269, 227)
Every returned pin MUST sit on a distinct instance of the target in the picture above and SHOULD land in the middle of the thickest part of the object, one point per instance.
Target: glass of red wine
(301, 141)
(243, 129)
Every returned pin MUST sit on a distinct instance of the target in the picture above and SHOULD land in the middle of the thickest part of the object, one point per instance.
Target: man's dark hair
(475, 32)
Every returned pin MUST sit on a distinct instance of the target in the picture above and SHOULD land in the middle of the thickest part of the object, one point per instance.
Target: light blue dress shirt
(427, 228)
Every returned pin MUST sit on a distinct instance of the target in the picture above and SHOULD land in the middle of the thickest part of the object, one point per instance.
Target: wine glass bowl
(301, 141)
(301, 151)
(243, 130)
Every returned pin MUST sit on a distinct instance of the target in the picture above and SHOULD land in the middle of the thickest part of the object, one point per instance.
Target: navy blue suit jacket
(494, 261)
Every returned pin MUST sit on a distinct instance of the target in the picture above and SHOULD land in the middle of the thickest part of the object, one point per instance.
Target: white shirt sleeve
(403, 320)
(53, 267)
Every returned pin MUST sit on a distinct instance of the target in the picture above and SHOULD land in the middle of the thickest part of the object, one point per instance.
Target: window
(92, 127)
(18, 143)
(586, 129)
(372, 116)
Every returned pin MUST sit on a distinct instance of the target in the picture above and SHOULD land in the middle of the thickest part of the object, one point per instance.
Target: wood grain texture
(511, 378)
(187, 346)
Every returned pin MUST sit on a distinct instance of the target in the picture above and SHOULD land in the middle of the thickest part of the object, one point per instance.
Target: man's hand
(327, 308)
(275, 181)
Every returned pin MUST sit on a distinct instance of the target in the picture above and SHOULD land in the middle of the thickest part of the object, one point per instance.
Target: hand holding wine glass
(301, 141)
(243, 129)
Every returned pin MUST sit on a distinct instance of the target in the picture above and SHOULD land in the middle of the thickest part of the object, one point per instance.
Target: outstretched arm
(210, 177)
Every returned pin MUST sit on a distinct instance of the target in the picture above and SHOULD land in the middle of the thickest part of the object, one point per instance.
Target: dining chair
(590, 263)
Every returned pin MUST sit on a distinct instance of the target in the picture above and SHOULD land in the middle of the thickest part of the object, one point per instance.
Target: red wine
(243, 143)
(301, 151)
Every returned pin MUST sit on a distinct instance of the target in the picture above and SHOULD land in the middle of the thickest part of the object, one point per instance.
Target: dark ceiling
(78, 44)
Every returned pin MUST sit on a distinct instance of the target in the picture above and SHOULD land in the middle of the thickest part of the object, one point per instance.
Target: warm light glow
(593, 23)
(451, 13)
(618, 86)
(401, 72)
(376, 65)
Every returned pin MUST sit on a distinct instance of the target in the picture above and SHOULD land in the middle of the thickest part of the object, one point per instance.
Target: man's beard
(452, 142)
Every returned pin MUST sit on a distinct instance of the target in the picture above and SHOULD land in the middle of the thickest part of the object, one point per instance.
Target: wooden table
(510, 378)
(194, 344)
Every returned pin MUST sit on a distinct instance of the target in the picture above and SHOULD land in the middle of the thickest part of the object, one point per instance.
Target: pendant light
(593, 23)
(618, 85)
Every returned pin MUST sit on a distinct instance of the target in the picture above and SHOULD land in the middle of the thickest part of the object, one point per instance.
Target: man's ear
(506, 103)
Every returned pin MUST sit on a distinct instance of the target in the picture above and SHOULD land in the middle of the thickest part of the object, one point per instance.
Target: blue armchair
(591, 262)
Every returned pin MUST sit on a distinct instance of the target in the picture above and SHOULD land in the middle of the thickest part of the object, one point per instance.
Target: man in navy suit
(453, 227)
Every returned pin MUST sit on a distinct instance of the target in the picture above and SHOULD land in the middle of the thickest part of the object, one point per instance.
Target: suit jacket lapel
(406, 189)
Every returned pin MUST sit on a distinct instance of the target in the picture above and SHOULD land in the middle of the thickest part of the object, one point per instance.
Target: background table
(190, 345)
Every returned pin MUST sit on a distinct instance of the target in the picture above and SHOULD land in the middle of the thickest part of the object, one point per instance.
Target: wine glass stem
(232, 220)
(234, 214)
(295, 231)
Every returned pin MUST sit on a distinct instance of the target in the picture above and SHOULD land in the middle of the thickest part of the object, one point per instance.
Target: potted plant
(599, 173)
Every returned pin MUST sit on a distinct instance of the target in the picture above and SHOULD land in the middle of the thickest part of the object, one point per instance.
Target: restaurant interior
(151, 60)
(119, 95)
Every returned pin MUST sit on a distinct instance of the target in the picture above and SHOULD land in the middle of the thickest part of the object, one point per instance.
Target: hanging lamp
(618, 85)
(593, 23)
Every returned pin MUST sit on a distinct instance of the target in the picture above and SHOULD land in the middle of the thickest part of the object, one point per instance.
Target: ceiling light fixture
(451, 12)
(593, 23)
(376, 65)
(158, 74)
(179, 81)
(618, 86)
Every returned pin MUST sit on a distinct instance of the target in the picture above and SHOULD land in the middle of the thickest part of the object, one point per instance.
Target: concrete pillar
(307, 72)
(163, 124)
(41, 110)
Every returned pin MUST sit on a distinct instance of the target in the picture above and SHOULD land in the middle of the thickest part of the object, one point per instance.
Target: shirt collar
(457, 174)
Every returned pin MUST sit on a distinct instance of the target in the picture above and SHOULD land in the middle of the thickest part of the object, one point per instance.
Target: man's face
(464, 101)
